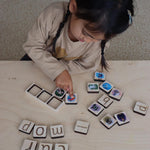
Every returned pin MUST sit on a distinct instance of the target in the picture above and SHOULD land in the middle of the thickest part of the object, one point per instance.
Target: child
(71, 37)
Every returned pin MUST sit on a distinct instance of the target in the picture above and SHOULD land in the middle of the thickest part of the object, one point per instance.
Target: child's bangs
(95, 28)
(97, 21)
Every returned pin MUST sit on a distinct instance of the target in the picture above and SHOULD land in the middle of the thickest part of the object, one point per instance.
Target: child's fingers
(60, 86)
(66, 88)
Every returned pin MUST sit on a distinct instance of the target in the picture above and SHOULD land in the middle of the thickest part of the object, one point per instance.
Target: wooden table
(132, 77)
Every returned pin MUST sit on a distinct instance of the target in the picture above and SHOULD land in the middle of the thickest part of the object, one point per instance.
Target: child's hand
(64, 81)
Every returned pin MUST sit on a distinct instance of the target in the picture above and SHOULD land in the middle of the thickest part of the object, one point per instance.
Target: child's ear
(72, 6)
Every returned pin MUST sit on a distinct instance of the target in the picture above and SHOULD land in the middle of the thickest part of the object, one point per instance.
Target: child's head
(101, 19)
(97, 20)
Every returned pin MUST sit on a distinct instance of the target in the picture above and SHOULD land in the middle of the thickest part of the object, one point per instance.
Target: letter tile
(45, 146)
(81, 127)
(105, 100)
(29, 145)
(57, 131)
(140, 108)
(61, 147)
(39, 131)
(26, 126)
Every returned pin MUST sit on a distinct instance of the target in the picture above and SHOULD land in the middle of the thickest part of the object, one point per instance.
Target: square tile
(140, 108)
(106, 86)
(108, 121)
(116, 94)
(81, 127)
(105, 100)
(121, 118)
(93, 88)
(59, 93)
(29, 145)
(56, 131)
(45, 146)
(96, 108)
(71, 100)
(55, 103)
(99, 76)
(40, 131)
(61, 147)
(33, 89)
(44, 96)
(26, 126)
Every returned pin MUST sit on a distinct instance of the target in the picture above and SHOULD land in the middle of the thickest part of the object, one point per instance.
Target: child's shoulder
(53, 14)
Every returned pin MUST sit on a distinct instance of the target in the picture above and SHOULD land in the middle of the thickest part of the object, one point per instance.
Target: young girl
(71, 37)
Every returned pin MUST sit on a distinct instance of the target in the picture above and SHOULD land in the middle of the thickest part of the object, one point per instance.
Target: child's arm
(35, 48)
(35, 44)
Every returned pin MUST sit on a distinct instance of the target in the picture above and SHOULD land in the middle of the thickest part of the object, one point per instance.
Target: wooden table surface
(132, 77)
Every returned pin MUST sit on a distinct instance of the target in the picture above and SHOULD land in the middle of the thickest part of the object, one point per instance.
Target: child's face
(78, 32)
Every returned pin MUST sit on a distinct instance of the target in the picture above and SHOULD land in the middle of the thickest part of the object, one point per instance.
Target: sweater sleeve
(35, 46)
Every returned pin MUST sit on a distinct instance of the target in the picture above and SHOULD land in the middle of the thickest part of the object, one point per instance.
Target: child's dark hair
(110, 17)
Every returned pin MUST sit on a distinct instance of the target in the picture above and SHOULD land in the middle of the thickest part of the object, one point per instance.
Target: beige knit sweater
(76, 57)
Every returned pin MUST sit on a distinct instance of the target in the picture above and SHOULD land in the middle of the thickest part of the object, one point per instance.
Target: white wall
(17, 17)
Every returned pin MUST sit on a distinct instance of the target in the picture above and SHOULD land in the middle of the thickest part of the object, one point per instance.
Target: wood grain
(132, 77)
